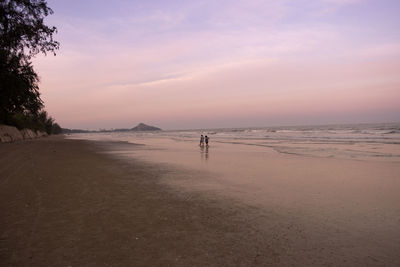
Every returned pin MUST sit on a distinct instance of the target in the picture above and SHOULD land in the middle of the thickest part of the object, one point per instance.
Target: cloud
(343, 2)
(381, 50)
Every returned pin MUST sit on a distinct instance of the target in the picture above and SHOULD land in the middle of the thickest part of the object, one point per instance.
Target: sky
(222, 63)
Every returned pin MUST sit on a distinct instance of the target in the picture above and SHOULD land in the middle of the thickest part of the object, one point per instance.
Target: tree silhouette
(23, 35)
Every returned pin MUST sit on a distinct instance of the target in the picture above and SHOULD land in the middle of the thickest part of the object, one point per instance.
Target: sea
(356, 141)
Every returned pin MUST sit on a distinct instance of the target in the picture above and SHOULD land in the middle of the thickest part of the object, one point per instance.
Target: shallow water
(360, 141)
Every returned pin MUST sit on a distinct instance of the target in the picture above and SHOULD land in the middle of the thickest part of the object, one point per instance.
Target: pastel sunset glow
(209, 64)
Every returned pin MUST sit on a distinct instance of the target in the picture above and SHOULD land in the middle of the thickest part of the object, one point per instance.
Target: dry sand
(67, 203)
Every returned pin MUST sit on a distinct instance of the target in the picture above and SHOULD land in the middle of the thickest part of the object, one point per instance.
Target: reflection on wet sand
(204, 153)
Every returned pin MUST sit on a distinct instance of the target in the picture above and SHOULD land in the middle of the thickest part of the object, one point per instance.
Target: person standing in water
(206, 139)
(201, 140)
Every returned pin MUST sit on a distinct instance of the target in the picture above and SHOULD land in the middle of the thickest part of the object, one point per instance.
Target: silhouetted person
(206, 139)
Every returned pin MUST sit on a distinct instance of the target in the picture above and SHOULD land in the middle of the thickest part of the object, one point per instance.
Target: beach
(63, 204)
(165, 201)
(199, 133)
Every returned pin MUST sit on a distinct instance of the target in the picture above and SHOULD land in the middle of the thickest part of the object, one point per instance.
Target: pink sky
(203, 64)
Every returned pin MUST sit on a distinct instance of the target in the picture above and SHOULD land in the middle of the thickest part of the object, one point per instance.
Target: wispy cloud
(343, 2)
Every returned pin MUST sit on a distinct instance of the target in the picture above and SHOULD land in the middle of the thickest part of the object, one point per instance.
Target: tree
(56, 129)
(23, 35)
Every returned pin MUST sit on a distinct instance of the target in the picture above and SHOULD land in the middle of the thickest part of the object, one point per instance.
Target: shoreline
(66, 202)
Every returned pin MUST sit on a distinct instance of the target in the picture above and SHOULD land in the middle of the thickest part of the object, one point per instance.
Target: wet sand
(64, 204)
(86, 203)
(331, 209)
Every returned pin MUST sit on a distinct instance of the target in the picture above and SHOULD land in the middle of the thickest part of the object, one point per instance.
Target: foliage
(19, 90)
(23, 35)
(56, 129)
(39, 122)
(22, 28)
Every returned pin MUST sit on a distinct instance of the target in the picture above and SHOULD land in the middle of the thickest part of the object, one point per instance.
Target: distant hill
(141, 127)
(144, 127)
